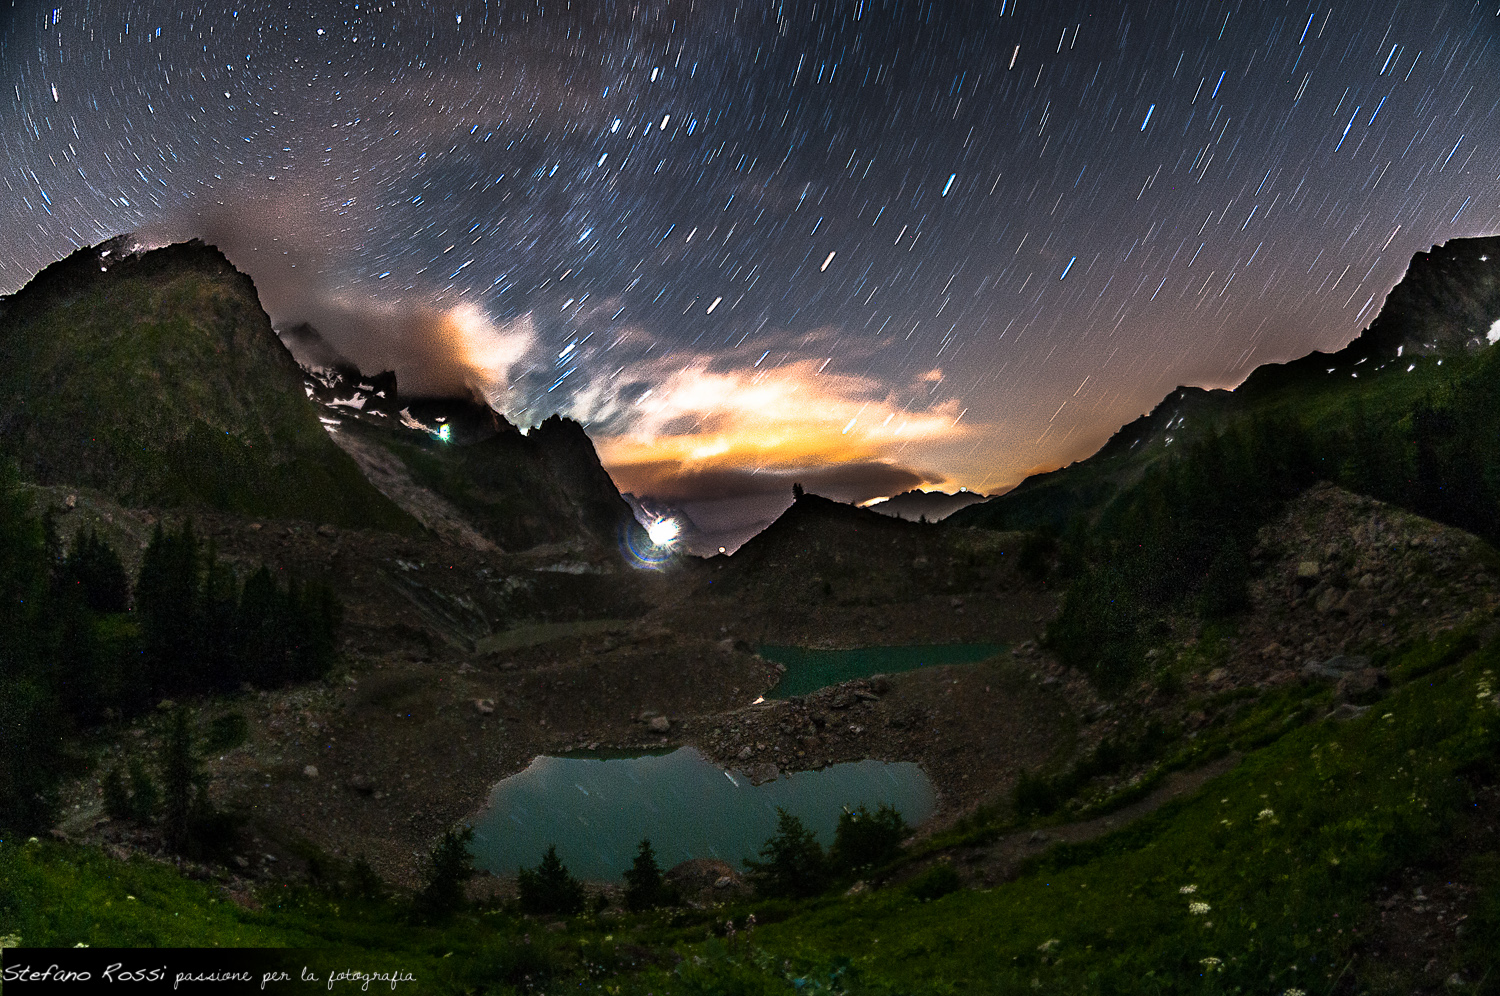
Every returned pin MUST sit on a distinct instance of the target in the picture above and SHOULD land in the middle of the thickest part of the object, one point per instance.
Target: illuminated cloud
(705, 428)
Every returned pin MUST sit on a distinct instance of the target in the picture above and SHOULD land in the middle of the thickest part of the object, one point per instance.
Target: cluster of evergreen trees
(1178, 541)
(793, 865)
(79, 643)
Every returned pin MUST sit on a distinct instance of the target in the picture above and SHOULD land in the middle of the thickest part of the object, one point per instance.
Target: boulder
(1363, 686)
(659, 724)
(762, 773)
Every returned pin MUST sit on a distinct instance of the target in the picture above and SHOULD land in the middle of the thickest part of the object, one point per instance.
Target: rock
(700, 874)
(485, 706)
(362, 784)
(326, 530)
(310, 770)
(857, 888)
(866, 695)
(659, 724)
(70, 503)
(1347, 662)
(1329, 602)
(1363, 686)
(745, 752)
(1347, 711)
(1307, 572)
(242, 861)
(1217, 675)
(762, 773)
(879, 684)
(842, 700)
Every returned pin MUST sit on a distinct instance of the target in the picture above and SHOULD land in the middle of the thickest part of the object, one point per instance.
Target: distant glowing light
(444, 432)
(663, 531)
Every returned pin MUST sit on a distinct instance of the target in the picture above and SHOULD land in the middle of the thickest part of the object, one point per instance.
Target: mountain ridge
(1445, 303)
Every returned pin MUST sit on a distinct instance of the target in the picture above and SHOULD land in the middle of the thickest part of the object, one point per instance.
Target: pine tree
(180, 775)
(644, 888)
(93, 571)
(549, 888)
(445, 871)
(794, 864)
(167, 598)
(864, 839)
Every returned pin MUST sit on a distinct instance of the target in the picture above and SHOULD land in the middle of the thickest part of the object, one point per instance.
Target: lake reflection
(597, 811)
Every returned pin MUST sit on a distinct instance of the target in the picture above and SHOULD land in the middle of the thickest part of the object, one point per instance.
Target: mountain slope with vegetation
(1262, 725)
(156, 377)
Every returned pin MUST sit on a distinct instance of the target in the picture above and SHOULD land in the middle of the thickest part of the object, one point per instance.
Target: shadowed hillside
(156, 377)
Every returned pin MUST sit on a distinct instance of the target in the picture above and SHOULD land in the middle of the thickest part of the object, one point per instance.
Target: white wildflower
(1188, 890)
(1266, 814)
(1198, 909)
(9, 941)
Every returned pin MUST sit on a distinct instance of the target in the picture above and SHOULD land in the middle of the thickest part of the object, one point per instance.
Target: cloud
(435, 350)
(710, 428)
(795, 414)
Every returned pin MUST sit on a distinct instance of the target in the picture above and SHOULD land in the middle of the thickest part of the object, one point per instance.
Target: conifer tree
(445, 871)
(549, 888)
(181, 781)
(92, 572)
(644, 888)
(794, 864)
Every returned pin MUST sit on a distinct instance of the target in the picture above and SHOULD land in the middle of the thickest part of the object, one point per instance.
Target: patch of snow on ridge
(1493, 335)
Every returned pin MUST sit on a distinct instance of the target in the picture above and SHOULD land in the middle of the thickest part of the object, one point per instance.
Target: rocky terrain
(443, 693)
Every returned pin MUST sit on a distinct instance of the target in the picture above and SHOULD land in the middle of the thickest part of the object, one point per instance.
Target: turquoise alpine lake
(809, 670)
(597, 811)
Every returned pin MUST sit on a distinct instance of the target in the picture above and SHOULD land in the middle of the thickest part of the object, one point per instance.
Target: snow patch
(1493, 335)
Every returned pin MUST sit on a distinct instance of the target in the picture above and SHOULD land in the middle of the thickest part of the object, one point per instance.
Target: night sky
(872, 244)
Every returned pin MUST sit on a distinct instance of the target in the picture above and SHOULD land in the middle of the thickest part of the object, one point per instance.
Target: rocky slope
(461, 469)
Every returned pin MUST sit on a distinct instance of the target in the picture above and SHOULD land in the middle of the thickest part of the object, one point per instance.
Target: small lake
(809, 670)
(598, 810)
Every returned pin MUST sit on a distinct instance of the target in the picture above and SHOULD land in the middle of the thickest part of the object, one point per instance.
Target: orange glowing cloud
(767, 419)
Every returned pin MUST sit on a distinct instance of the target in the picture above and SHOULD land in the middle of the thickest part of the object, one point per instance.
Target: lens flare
(663, 531)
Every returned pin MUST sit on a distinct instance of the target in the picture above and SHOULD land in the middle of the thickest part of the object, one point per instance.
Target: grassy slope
(169, 388)
(1287, 850)
(1304, 392)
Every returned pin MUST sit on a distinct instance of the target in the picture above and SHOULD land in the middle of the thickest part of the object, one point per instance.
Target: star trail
(892, 242)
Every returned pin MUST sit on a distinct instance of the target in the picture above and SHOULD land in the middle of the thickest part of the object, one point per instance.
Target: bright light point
(949, 184)
(655, 72)
(444, 432)
(663, 531)
(664, 119)
(711, 307)
(827, 261)
(758, 700)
